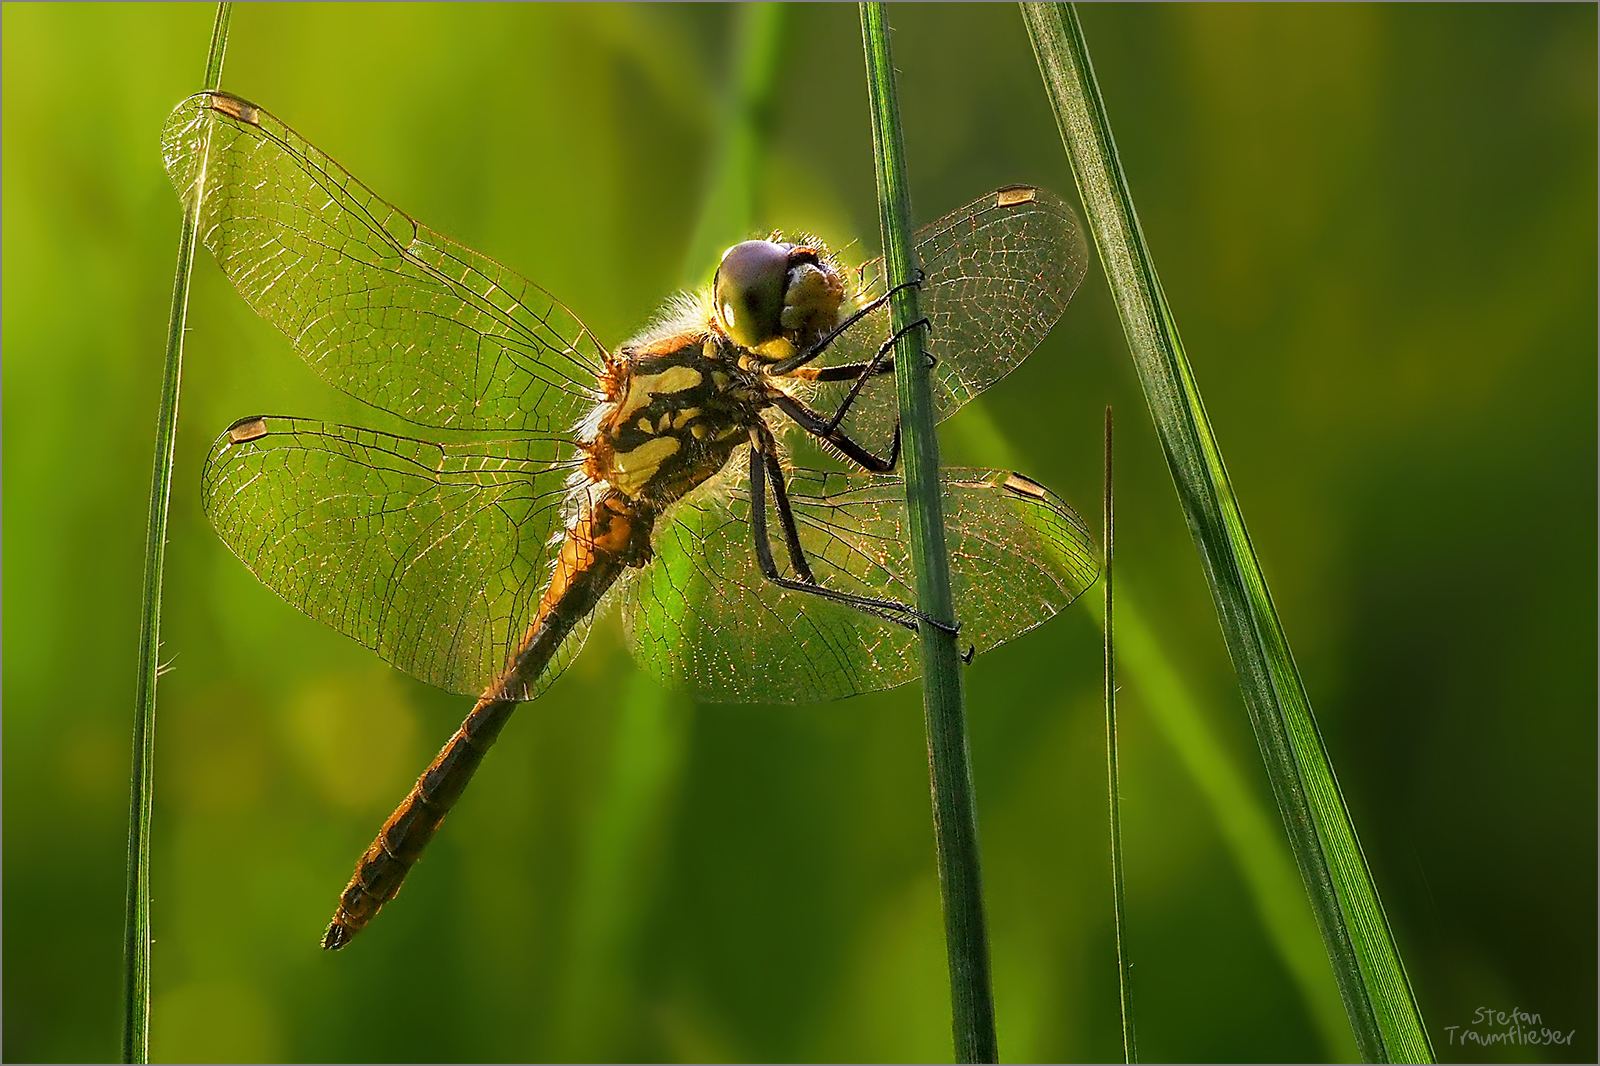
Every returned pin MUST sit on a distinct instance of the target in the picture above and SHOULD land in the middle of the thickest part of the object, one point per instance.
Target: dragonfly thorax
(682, 398)
(678, 403)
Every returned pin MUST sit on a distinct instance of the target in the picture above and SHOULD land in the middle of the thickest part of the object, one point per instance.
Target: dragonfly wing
(432, 555)
(1000, 272)
(702, 617)
(381, 306)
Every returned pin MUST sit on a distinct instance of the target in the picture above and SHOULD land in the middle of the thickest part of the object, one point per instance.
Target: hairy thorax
(677, 405)
(680, 399)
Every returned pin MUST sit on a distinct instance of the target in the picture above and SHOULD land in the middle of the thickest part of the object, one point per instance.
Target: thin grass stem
(944, 713)
(1366, 963)
(1130, 1052)
(136, 929)
(1255, 843)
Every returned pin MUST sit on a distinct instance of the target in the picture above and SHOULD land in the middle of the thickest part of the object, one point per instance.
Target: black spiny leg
(847, 371)
(764, 460)
(780, 502)
(870, 369)
(851, 371)
(817, 425)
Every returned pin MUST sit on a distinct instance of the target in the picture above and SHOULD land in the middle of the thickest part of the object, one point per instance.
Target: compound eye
(748, 291)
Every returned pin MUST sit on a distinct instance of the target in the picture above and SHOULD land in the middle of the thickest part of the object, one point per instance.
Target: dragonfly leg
(780, 502)
(872, 368)
(851, 371)
(764, 462)
(795, 361)
(816, 424)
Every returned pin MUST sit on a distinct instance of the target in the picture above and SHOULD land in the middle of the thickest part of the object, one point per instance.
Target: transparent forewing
(382, 307)
(702, 617)
(432, 555)
(1000, 272)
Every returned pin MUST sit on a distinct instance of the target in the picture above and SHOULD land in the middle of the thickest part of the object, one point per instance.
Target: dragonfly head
(774, 298)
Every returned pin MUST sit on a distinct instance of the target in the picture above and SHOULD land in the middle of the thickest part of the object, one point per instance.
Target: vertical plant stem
(1366, 963)
(1255, 842)
(1124, 967)
(944, 713)
(136, 930)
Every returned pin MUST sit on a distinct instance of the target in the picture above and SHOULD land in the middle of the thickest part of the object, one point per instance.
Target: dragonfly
(547, 477)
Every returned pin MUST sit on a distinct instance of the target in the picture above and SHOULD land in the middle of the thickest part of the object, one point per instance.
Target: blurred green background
(1376, 226)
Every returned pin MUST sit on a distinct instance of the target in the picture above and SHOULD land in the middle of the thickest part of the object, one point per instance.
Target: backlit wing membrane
(701, 616)
(432, 555)
(382, 307)
(1000, 272)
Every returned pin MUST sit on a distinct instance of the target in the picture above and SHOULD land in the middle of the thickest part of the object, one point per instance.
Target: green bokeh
(1376, 226)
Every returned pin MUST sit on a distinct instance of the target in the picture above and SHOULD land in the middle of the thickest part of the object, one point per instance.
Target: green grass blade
(1124, 967)
(1366, 963)
(954, 814)
(136, 929)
